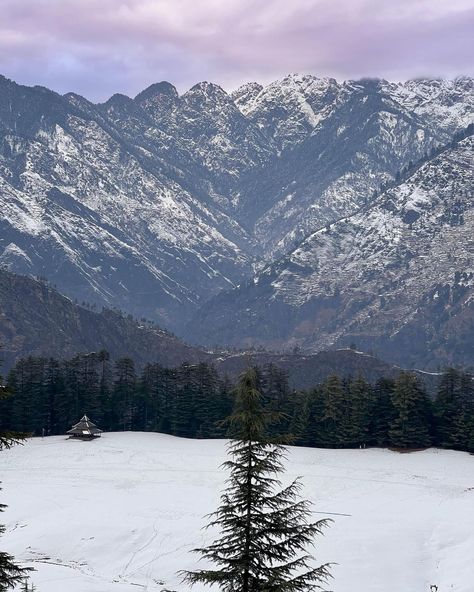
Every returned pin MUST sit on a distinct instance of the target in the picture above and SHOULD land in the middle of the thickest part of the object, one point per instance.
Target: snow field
(122, 513)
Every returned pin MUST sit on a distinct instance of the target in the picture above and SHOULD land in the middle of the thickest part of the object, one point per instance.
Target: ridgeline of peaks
(156, 204)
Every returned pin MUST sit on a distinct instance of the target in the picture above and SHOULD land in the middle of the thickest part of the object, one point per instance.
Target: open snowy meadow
(122, 513)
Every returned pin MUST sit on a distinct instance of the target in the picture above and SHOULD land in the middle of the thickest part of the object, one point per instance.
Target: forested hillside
(35, 320)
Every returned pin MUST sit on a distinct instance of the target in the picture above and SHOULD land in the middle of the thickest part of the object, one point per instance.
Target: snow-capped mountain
(343, 141)
(157, 203)
(398, 276)
(100, 216)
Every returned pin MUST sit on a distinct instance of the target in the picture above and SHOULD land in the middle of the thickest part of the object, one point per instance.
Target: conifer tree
(411, 426)
(124, 393)
(447, 405)
(264, 529)
(335, 424)
(383, 411)
(11, 574)
(300, 418)
(360, 404)
(309, 419)
(454, 409)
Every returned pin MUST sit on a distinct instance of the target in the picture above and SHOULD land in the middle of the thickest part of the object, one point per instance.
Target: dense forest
(49, 395)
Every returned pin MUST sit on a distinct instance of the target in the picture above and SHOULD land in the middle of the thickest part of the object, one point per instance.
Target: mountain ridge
(157, 203)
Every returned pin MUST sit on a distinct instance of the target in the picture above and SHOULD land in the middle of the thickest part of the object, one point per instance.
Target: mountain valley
(226, 217)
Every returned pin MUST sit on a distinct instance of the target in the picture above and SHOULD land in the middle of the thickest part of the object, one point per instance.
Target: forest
(47, 396)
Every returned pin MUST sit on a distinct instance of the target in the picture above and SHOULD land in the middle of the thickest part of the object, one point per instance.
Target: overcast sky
(99, 47)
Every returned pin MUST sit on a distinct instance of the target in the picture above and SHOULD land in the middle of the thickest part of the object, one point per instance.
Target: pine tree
(265, 529)
(11, 574)
(383, 411)
(124, 393)
(411, 426)
(300, 418)
(360, 404)
(335, 419)
(454, 409)
(184, 402)
(446, 405)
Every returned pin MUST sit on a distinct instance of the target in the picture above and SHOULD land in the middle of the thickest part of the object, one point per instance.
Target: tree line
(50, 395)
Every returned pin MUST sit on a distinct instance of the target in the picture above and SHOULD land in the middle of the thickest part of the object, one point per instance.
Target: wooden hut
(85, 430)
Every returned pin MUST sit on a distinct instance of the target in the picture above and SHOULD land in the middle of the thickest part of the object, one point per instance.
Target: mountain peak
(162, 88)
(209, 89)
(245, 94)
(118, 100)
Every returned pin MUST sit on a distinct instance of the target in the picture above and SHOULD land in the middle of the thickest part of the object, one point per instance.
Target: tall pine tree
(11, 573)
(264, 529)
(410, 427)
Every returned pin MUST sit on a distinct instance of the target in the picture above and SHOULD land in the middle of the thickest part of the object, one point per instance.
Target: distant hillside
(36, 320)
(304, 371)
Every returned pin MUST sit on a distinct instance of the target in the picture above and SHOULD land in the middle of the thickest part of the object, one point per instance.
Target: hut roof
(85, 427)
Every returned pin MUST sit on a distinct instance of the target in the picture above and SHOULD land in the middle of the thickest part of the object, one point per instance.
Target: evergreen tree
(103, 409)
(383, 413)
(265, 529)
(360, 404)
(210, 406)
(54, 390)
(335, 424)
(124, 393)
(149, 397)
(273, 385)
(411, 426)
(11, 574)
(446, 406)
(454, 410)
(183, 420)
(309, 419)
(300, 418)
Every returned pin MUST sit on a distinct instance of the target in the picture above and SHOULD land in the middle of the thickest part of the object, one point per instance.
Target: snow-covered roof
(85, 427)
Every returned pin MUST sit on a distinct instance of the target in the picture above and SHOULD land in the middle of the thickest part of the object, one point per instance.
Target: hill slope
(396, 277)
(124, 512)
(36, 320)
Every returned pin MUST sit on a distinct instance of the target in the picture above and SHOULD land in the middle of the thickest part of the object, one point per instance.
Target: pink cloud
(97, 47)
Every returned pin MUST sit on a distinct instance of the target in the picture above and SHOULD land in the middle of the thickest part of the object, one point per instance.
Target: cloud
(98, 47)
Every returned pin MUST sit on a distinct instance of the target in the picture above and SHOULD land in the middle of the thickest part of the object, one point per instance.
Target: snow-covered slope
(397, 277)
(97, 215)
(155, 204)
(447, 104)
(122, 513)
(337, 143)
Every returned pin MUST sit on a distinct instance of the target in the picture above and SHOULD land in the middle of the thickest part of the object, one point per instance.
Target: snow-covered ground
(122, 513)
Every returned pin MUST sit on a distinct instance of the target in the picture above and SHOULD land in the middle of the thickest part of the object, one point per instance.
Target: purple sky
(99, 47)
